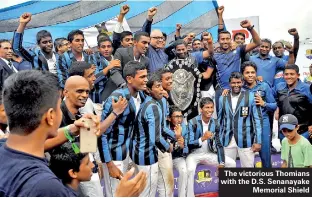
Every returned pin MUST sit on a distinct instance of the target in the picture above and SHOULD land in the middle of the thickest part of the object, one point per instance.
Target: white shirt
(203, 144)
(7, 62)
(52, 64)
(137, 103)
(234, 101)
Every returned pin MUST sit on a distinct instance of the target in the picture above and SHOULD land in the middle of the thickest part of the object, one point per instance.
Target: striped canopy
(60, 17)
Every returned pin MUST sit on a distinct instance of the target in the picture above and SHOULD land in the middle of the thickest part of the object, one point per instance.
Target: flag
(60, 17)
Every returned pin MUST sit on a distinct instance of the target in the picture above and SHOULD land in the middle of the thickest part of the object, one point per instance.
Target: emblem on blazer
(244, 111)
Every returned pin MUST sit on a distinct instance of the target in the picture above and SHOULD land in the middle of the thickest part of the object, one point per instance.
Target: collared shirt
(227, 63)
(157, 58)
(52, 63)
(204, 145)
(234, 101)
(11, 66)
(268, 67)
(137, 103)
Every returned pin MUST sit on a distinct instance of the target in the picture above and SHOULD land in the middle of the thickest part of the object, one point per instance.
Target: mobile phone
(88, 139)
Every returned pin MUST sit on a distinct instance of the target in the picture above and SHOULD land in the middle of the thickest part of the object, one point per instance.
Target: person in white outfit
(204, 143)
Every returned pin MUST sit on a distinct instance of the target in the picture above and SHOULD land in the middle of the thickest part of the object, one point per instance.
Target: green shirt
(297, 155)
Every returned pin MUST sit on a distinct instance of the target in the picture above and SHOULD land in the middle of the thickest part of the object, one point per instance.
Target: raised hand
(178, 26)
(124, 9)
(120, 105)
(25, 18)
(151, 12)
(245, 24)
(293, 32)
(220, 10)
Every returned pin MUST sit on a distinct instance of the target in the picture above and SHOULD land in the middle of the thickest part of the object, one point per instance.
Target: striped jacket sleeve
(220, 149)
(61, 69)
(107, 109)
(153, 117)
(193, 140)
(17, 45)
(257, 127)
(185, 134)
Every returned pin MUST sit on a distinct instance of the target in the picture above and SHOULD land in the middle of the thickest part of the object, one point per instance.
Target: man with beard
(186, 78)
(76, 41)
(240, 122)
(267, 64)
(204, 143)
(265, 100)
(147, 137)
(41, 59)
(116, 140)
(294, 97)
(279, 50)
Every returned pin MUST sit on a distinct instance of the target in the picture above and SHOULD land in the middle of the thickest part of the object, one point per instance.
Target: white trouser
(246, 155)
(180, 165)
(152, 177)
(93, 187)
(202, 156)
(165, 185)
(111, 183)
(211, 94)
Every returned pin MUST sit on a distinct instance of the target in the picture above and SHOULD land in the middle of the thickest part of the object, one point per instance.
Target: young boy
(71, 168)
(180, 148)
(296, 150)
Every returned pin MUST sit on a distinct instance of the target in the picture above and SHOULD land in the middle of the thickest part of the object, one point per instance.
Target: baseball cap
(288, 121)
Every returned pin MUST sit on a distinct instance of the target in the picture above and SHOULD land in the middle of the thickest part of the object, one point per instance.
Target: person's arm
(270, 104)
(177, 35)
(294, 33)
(118, 108)
(61, 68)
(118, 27)
(220, 19)
(153, 119)
(220, 149)
(17, 43)
(256, 41)
(147, 26)
(257, 117)
(74, 131)
(284, 164)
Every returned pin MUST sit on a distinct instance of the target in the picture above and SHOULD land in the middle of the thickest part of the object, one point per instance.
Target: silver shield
(182, 88)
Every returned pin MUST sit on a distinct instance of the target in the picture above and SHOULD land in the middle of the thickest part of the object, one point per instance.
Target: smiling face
(265, 48)
(291, 76)
(249, 75)
(166, 80)
(236, 85)
(6, 51)
(78, 92)
(46, 44)
(139, 81)
(207, 110)
(142, 44)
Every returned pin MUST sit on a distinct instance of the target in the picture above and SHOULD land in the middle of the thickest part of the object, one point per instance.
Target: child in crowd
(296, 150)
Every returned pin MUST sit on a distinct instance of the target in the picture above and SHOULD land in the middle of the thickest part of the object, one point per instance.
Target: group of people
(154, 106)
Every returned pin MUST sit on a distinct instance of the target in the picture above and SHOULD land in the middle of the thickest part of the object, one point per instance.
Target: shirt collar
(268, 57)
(6, 61)
(69, 117)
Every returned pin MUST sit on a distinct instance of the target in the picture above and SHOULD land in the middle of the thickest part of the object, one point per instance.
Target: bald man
(76, 94)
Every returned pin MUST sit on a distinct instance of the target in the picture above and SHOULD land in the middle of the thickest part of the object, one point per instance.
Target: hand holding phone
(88, 138)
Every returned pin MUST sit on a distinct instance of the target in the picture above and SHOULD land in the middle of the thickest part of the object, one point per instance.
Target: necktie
(11, 66)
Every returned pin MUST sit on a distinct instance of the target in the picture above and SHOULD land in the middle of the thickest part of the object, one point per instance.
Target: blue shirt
(268, 67)
(24, 65)
(157, 58)
(266, 93)
(279, 76)
(228, 63)
(25, 175)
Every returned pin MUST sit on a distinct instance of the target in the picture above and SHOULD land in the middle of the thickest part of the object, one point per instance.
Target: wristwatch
(250, 28)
